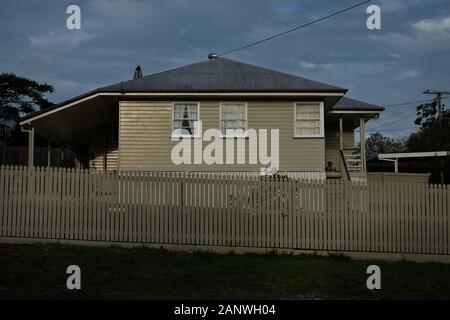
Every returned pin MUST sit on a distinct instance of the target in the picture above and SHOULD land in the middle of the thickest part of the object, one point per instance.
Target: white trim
(386, 156)
(119, 143)
(395, 161)
(322, 120)
(234, 94)
(176, 136)
(246, 119)
(354, 111)
(186, 94)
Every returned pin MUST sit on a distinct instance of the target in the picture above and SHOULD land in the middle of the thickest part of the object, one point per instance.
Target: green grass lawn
(39, 271)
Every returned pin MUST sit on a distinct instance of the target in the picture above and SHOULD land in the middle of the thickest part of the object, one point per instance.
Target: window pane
(307, 119)
(236, 115)
(233, 117)
(233, 124)
(178, 114)
(233, 111)
(185, 119)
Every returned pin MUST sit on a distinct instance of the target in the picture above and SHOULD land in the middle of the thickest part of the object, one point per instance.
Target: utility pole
(439, 102)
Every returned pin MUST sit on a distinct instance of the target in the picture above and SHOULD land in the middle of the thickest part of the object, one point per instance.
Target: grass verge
(39, 271)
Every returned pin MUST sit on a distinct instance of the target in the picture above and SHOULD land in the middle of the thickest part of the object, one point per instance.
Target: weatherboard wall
(145, 137)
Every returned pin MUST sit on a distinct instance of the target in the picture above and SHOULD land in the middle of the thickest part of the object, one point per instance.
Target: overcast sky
(409, 54)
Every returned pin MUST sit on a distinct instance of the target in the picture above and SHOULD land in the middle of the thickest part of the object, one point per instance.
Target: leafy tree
(426, 114)
(432, 136)
(20, 96)
(377, 143)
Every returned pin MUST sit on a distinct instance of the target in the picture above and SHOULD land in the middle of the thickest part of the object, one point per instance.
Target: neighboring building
(129, 125)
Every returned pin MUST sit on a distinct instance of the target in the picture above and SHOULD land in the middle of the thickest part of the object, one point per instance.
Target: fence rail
(211, 209)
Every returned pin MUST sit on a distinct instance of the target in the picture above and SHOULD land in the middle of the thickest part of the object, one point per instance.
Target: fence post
(227, 210)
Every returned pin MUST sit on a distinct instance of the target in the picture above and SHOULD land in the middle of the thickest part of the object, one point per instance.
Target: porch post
(362, 132)
(341, 130)
(31, 147)
(49, 151)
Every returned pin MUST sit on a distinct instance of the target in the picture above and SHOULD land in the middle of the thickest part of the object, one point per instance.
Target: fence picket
(212, 209)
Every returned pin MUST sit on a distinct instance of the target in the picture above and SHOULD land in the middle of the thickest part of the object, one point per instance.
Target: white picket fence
(217, 210)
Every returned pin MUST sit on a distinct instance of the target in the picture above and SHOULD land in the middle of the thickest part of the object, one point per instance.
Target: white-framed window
(308, 119)
(233, 119)
(185, 119)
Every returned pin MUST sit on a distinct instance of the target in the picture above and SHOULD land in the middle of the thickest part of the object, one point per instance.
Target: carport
(72, 122)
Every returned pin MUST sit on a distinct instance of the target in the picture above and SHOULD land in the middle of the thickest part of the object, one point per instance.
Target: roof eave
(374, 110)
(26, 119)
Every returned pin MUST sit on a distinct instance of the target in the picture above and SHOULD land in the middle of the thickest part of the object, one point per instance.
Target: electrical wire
(412, 102)
(392, 121)
(294, 29)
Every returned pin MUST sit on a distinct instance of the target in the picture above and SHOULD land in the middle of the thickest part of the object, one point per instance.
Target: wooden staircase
(353, 165)
(353, 160)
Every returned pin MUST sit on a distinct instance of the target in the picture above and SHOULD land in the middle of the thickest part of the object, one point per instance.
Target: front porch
(87, 126)
(347, 158)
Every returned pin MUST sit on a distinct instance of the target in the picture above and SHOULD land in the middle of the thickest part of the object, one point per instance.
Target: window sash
(308, 120)
(185, 119)
(233, 118)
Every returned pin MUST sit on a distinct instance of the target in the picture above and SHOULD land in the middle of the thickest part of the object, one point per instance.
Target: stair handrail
(344, 161)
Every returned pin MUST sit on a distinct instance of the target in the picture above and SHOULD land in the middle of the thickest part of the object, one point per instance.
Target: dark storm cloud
(392, 65)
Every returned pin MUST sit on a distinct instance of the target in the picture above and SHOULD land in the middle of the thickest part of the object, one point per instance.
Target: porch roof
(346, 104)
(73, 123)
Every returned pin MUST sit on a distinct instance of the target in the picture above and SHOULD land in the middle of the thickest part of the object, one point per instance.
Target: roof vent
(213, 56)
(137, 73)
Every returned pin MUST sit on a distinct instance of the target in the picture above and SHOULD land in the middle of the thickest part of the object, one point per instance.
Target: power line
(407, 103)
(411, 102)
(392, 121)
(438, 100)
(294, 29)
(393, 131)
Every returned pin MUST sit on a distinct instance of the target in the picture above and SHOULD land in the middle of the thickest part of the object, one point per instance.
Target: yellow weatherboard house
(134, 124)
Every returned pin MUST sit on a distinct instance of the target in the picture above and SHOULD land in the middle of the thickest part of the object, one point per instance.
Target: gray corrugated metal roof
(352, 104)
(221, 75)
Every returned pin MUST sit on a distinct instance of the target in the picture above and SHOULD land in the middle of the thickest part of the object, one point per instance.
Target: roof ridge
(229, 75)
(278, 72)
(173, 69)
(272, 71)
(154, 74)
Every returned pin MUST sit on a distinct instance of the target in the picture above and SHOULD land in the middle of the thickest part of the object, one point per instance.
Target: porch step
(353, 160)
